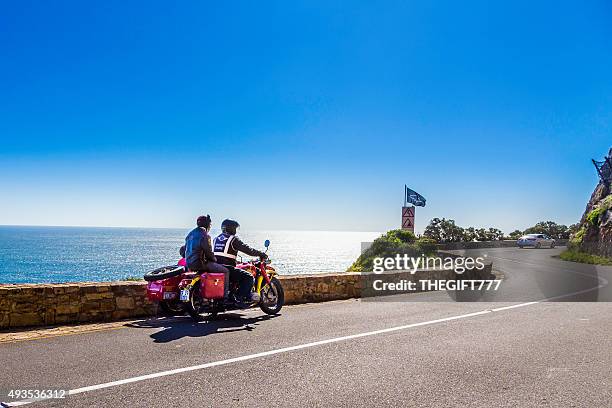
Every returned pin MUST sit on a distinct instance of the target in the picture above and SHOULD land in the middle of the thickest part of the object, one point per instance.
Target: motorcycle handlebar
(267, 260)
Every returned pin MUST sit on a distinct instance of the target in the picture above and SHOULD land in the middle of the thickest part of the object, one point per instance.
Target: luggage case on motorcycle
(164, 289)
(213, 285)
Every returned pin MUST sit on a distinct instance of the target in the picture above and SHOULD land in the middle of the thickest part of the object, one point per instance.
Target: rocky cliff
(595, 232)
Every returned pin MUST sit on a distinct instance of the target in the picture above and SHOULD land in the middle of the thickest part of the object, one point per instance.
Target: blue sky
(301, 115)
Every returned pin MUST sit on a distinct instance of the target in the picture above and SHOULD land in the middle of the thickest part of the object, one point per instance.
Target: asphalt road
(427, 352)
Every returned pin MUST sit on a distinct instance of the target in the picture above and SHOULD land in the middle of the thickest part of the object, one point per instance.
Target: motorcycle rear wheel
(195, 305)
(272, 297)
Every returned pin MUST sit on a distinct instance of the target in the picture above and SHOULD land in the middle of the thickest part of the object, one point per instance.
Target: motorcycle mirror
(267, 243)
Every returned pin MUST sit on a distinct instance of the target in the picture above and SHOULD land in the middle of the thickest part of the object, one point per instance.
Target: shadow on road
(175, 328)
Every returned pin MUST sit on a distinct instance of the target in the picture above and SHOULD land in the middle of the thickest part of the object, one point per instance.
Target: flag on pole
(413, 197)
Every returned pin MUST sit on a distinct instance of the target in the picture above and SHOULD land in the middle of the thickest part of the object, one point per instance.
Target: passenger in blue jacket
(199, 255)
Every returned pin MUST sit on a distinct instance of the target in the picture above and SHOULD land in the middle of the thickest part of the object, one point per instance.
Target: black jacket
(227, 247)
(198, 250)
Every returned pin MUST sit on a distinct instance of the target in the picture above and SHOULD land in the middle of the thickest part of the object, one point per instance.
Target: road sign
(408, 218)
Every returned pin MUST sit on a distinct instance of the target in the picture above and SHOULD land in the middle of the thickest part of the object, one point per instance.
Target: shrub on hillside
(399, 235)
(389, 245)
(573, 255)
(427, 245)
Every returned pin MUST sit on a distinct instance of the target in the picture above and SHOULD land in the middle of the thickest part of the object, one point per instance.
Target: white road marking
(270, 353)
(499, 309)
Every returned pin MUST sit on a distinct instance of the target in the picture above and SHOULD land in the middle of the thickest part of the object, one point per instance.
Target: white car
(536, 241)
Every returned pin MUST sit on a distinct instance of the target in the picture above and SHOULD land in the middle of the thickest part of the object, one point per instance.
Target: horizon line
(140, 227)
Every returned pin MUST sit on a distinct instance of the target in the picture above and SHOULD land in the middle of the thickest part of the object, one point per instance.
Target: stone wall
(321, 287)
(48, 304)
(51, 304)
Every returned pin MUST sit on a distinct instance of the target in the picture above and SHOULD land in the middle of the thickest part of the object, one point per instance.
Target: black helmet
(229, 226)
(203, 221)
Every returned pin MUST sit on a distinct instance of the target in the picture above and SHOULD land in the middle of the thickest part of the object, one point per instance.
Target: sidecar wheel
(172, 308)
(164, 272)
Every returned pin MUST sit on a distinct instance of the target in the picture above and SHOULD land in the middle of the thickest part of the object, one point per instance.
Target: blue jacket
(198, 250)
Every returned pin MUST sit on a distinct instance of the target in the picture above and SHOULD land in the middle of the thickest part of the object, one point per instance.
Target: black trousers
(244, 279)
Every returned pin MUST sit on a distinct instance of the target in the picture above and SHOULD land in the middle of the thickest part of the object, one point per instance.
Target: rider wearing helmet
(226, 247)
(199, 256)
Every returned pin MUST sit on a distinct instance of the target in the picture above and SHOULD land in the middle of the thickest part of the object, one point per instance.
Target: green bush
(399, 235)
(606, 202)
(427, 245)
(549, 228)
(593, 216)
(578, 237)
(573, 255)
(390, 244)
(516, 234)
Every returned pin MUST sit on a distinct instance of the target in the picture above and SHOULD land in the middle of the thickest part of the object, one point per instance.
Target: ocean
(82, 254)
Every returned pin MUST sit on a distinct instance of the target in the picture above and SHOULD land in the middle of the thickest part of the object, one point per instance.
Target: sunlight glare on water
(76, 254)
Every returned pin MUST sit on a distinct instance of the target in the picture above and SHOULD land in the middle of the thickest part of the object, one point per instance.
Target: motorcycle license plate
(184, 295)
